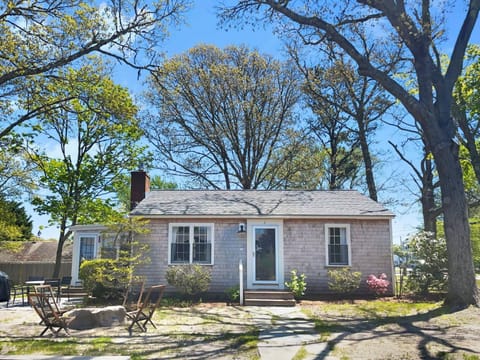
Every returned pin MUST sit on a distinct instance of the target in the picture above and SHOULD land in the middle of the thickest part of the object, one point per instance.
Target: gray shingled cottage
(270, 232)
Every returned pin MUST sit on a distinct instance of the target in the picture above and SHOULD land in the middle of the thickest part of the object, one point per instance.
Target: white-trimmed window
(338, 244)
(190, 244)
(87, 247)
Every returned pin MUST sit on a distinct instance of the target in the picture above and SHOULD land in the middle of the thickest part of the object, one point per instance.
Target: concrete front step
(269, 302)
(269, 294)
(269, 298)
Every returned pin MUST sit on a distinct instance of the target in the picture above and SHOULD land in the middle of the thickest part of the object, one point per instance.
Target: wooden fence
(19, 272)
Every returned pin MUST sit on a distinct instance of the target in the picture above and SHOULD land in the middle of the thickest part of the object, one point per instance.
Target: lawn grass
(378, 308)
(376, 311)
(382, 309)
(39, 346)
(301, 354)
(244, 343)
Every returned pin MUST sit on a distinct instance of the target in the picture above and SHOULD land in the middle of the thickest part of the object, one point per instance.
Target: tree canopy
(221, 115)
(39, 37)
(15, 224)
(96, 134)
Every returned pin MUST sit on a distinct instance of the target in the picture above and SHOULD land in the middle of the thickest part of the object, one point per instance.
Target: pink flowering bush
(378, 285)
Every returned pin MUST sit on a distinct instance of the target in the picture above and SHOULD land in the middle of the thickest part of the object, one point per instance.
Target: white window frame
(327, 242)
(191, 242)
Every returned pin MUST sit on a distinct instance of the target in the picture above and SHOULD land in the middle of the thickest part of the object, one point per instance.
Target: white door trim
(76, 252)
(251, 283)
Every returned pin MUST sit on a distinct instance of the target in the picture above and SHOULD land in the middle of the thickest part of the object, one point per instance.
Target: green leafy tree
(40, 37)
(411, 32)
(16, 172)
(298, 166)
(15, 224)
(222, 115)
(96, 134)
(472, 188)
(466, 110)
(475, 231)
(108, 278)
(466, 107)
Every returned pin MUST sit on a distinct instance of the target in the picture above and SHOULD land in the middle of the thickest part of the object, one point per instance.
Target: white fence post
(240, 270)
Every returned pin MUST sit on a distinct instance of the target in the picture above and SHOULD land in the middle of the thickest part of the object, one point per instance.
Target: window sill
(335, 266)
(180, 264)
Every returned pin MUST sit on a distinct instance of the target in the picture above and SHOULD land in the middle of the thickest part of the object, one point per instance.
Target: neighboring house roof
(37, 251)
(259, 203)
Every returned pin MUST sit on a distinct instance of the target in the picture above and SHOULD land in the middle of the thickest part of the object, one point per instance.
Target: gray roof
(258, 203)
(37, 251)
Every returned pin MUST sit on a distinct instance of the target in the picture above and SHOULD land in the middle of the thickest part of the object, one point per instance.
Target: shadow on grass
(373, 326)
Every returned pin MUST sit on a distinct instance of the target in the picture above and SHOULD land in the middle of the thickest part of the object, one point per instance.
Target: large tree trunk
(428, 196)
(64, 234)
(58, 257)
(462, 285)
(367, 159)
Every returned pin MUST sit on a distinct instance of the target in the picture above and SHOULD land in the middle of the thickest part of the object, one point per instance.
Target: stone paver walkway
(284, 331)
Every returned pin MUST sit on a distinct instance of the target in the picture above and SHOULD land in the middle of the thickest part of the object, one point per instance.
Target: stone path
(284, 331)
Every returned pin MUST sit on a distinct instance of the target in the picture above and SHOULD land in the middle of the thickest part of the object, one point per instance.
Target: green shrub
(104, 278)
(297, 284)
(344, 280)
(233, 294)
(429, 264)
(190, 280)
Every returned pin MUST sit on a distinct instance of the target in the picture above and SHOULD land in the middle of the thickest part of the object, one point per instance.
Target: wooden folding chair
(132, 297)
(46, 290)
(48, 312)
(55, 284)
(143, 315)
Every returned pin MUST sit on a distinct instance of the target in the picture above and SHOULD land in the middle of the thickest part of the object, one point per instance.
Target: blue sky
(202, 27)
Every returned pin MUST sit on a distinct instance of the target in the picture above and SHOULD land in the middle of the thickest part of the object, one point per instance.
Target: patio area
(207, 331)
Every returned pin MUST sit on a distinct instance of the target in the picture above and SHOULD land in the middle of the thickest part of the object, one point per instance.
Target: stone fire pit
(89, 318)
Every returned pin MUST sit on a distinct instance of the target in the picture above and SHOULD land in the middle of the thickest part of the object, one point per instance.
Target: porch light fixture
(241, 228)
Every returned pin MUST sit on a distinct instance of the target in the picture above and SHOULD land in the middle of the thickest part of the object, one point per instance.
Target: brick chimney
(140, 185)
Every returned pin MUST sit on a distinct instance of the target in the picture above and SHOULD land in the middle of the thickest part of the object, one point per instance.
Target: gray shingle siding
(304, 250)
(229, 247)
